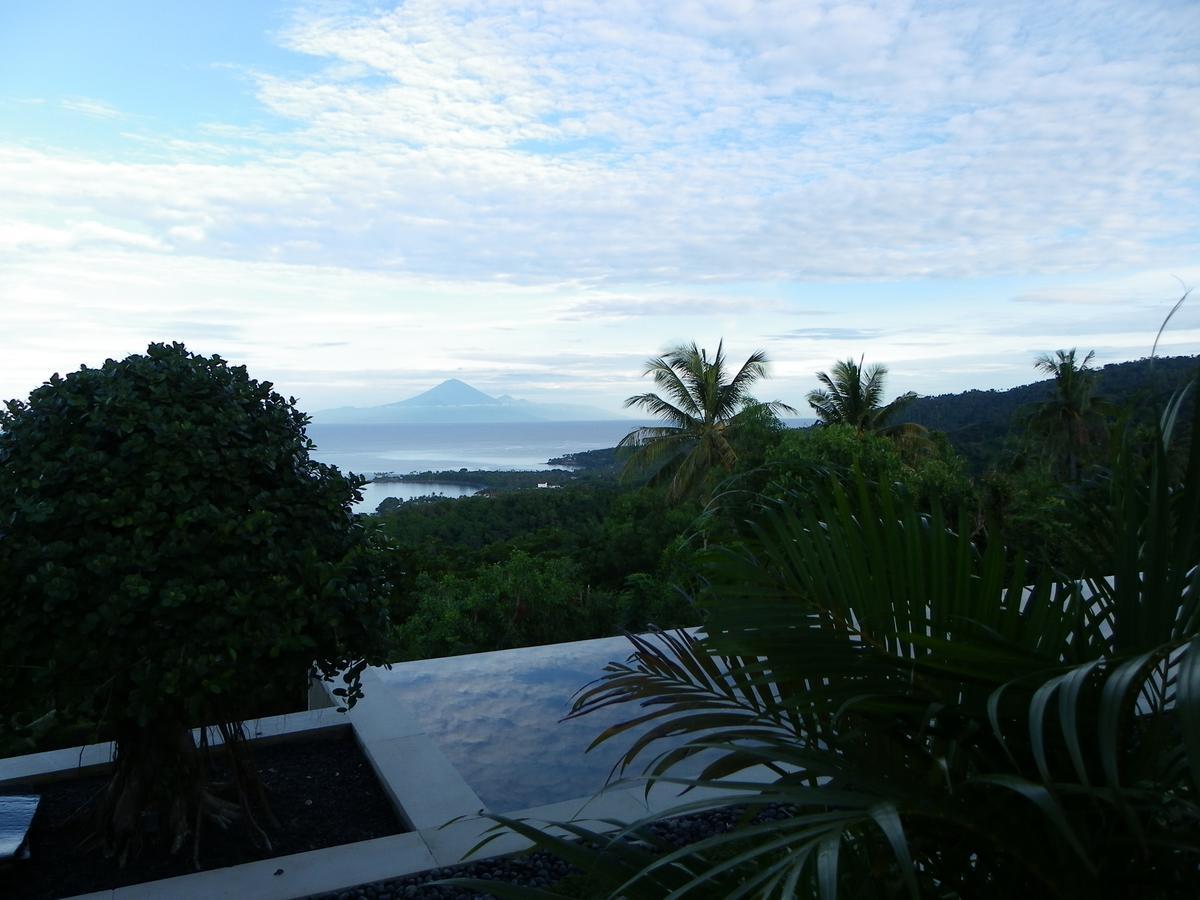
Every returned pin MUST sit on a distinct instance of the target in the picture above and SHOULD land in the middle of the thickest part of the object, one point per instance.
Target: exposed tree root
(161, 792)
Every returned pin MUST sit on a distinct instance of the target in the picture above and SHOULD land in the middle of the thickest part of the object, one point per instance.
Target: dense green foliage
(591, 462)
(609, 532)
(520, 602)
(935, 719)
(519, 560)
(170, 557)
(802, 460)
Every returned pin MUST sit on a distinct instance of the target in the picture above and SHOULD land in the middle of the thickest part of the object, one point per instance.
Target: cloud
(96, 109)
(1143, 290)
(66, 305)
(186, 233)
(619, 307)
(569, 187)
(32, 235)
(623, 144)
(827, 334)
(336, 336)
(186, 331)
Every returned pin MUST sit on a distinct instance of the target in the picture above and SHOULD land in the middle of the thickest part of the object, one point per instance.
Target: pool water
(496, 717)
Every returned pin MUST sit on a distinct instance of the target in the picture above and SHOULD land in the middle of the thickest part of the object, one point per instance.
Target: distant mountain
(450, 392)
(457, 401)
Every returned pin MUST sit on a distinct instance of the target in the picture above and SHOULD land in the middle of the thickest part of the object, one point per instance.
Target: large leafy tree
(170, 557)
(924, 717)
(853, 395)
(703, 404)
(1072, 421)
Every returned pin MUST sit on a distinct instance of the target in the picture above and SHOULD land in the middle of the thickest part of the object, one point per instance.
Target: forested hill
(977, 422)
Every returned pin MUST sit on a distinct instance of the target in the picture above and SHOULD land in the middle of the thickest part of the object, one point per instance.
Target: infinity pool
(496, 717)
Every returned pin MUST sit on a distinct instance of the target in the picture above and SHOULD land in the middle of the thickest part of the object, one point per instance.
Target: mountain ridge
(977, 422)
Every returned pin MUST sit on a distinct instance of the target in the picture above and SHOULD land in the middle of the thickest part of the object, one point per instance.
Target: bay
(368, 450)
(377, 491)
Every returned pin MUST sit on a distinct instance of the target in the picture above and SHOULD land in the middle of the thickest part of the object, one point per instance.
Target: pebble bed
(537, 869)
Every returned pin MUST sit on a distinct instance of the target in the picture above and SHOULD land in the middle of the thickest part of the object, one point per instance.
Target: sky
(358, 200)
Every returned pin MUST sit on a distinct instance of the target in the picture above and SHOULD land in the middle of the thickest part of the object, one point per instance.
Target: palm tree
(1073, 419)
(702, 409)
(920, 716)
(854, 396)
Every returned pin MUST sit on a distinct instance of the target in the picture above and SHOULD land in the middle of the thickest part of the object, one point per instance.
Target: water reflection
(496, 716)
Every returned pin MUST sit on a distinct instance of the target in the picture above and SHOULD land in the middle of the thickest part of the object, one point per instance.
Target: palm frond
(657, 406)
(825, 405)
(702, 402)
(854, 396)
(653, 451)
(1174, 309)
(667, 374)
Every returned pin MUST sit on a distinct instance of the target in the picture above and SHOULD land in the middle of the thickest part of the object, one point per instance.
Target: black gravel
(536, 869)
(321, 789)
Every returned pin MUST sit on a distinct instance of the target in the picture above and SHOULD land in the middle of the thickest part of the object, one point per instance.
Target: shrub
(169, 556)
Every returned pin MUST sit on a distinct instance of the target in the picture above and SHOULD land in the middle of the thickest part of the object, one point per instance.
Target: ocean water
(401, 449)
(370, 449)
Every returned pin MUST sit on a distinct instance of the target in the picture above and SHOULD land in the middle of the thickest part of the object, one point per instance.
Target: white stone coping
(427, 791)
(53, 765)
(301, 874)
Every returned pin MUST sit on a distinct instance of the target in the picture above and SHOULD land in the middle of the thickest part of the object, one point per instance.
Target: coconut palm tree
(854, 396)
(1072, 420)
(703, 407)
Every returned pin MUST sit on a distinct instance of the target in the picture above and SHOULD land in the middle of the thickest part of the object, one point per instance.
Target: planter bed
(320, 786)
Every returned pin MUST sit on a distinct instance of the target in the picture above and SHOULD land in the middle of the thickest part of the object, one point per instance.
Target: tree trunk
(157, 792)
(159, 795)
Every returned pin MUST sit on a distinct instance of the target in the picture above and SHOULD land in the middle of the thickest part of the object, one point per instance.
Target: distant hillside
(977, 422)
(457, 401)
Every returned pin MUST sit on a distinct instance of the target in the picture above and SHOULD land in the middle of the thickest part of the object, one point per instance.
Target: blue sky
(358, 200)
